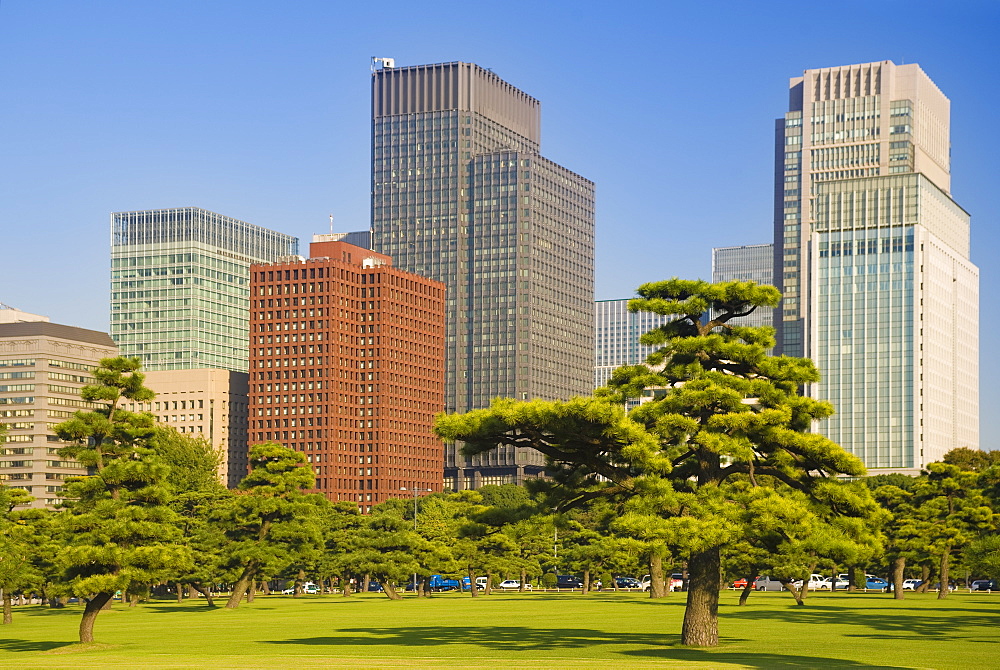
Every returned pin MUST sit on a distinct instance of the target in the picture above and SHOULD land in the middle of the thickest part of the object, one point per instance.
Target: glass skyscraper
(617, 332)
(461, 194)
(751, 262)
(180, 286)
(873, 258)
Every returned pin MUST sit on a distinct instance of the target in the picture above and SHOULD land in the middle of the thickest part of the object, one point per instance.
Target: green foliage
(193, 461)
(973, 460)
(983, 556)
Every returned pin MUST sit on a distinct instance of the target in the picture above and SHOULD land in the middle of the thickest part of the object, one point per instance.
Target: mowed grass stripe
(524, 630)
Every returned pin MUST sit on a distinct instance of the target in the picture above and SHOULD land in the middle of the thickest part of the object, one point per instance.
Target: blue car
(876, 583)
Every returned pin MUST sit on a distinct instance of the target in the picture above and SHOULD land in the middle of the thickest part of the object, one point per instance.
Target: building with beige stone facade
(872, 256)
(43, 366)
(208, 403)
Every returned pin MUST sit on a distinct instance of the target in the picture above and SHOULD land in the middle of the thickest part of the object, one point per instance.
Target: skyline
(265, 117)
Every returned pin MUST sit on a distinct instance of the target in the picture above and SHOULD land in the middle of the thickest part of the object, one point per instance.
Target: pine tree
(121, 532)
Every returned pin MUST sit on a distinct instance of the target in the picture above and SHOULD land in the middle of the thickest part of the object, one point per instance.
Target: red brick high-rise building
(347, 366)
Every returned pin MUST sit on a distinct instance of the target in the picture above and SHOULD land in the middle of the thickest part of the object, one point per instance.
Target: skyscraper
(347, 366)
(461, 194)
(872, 254)
(750, 262)
(617, 332)
(180, 285)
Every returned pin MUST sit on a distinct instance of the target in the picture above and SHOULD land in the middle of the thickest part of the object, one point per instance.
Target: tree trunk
(751, 576)
(207, 592)
(701, 615)
(796, 592)
(925, 578)
(300, 579)
(898, 565)
(133, 599)
(365, 583)
(390, 590)
(944, 590)
(657, 588)
(852, 586)
(524, 579)
(8, 612)
(180, 592)
(90, 612)
(345, 585)
(265, 586)
(252, 591)
(586, 583)
(425, 585)
(472, 583)
(489, 582)
(241, 586)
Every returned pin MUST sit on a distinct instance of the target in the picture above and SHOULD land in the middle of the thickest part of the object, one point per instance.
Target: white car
(308, 588)
(513, 584)
(911, 584)
(816, 583)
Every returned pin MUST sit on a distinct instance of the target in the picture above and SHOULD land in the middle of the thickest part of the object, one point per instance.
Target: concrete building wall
(43, 366)
(205, 403)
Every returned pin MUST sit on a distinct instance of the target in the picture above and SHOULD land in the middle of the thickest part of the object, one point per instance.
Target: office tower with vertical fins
(749, 262)
(180, 286)
(460, 193)
(872, 255)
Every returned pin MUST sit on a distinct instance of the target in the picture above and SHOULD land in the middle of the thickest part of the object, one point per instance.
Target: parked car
(768, 584)
(628, 583)
(816, 583)
(677, 582)
(375, 587)
(740, 583)
(568, 582)
(911, 584)
(937, 587)
(984, 585)
(309, 588)
(513, 584)
(873, 583)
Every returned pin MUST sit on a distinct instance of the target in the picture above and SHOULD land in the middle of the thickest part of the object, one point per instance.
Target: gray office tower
(461, 194)
(750, 262)
(872, 254)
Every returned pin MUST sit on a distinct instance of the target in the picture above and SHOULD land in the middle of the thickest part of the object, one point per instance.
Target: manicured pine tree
(120, 530)
(271, 518)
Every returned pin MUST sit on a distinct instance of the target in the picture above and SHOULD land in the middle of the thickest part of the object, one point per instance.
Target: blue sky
(260, 110)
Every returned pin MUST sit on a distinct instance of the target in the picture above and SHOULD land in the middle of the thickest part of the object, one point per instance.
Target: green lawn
(837, 630)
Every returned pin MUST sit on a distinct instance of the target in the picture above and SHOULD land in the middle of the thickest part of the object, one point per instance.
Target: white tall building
(872, 255)
(616, 334)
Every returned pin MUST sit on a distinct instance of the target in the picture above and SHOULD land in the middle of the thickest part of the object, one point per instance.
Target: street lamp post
(415, 491)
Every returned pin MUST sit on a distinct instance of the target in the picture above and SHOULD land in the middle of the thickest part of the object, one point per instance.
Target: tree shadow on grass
(521, 639)
(14, 645)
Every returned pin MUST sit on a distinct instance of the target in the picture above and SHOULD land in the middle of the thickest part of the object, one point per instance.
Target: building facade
(616, 333)
(347, 366)
(750, 262)
(872, 254)
(180, 286)
(206, 403)
(43, 366)
(460, 193)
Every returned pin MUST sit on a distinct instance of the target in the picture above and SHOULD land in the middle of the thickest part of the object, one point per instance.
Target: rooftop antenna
(331, 224)
(387, 63)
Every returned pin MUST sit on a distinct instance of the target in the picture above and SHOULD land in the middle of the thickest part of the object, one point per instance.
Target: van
(481, 583)
(768, 584)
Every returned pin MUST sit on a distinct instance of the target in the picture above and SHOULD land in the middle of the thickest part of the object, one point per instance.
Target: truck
(439, 583)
